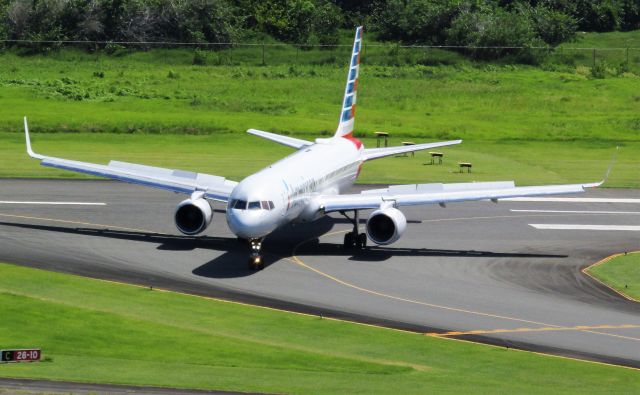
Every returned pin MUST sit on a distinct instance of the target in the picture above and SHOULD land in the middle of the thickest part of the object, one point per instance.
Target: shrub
(199, 58)
(491, 27)
(113, 49)
(418, 21)
(553, 27)
(298, 21)
(599, 70)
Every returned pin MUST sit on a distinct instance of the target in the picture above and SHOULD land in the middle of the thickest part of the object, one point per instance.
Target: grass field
(611, 48)
(237, 155)
(102, 332)
(535, 125)
(137, 94)
(621, 273)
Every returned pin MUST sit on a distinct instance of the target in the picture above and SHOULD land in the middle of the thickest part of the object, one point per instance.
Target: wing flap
(439, 187)
(181, 181)
(372, 200)
(216, 188)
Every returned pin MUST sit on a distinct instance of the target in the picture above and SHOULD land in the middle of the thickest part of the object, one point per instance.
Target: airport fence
(261, 54)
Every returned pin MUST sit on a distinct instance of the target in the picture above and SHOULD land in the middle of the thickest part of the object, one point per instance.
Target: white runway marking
(54, 203)
(571, 200)
(576, 212)
(628, 228)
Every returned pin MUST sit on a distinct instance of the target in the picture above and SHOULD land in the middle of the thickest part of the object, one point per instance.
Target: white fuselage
(287, 190)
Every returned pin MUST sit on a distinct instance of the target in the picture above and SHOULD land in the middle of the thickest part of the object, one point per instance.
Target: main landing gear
(354, 239)
(255, 260)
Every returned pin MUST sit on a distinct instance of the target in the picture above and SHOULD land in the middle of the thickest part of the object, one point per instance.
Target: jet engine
(193, 216)
(386, 225)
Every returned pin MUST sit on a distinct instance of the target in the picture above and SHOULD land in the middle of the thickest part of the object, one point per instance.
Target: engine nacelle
(193, 216)
(386, 225)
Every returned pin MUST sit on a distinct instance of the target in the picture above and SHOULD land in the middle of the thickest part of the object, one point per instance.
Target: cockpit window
(240, 204)
(257, 205)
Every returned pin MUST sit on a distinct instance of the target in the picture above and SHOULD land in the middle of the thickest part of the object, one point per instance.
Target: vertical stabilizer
(345, 127)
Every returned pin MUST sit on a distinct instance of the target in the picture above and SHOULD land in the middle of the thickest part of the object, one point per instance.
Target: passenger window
(240, 204)
(254, 206)
(271, 206)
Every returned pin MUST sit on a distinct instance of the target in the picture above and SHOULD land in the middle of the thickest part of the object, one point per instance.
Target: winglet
(29, 150)
(606, 175)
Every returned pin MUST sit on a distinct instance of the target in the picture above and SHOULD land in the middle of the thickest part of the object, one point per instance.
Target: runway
(506, 274)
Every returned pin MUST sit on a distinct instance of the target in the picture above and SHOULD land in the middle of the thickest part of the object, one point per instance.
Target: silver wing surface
(419, 194)
(187, 182)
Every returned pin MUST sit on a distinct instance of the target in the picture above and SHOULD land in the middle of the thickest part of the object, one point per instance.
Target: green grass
(621, 273)
(96, 331)
(607, 40)
(61, 94)
(238, 155)
(612, 48)
(535, 125)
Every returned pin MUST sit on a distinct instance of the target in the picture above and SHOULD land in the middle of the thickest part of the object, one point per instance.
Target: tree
(419, 21)
(297, 21)
(326, 19)
(630, 19)
(553, 27)
(492, 27)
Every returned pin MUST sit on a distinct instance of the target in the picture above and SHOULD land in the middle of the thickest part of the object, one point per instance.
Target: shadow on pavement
(233, 260)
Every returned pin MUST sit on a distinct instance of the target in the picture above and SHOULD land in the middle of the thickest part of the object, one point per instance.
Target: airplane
(306, 185)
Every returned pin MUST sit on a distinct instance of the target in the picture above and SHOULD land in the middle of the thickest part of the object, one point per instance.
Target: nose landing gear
(354, 239)
(255, 260)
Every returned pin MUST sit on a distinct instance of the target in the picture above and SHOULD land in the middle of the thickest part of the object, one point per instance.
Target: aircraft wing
(284, 140)
(375, 153)
(419, 194)
(214, 187)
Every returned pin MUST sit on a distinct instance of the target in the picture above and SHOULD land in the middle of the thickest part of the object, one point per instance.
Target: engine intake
(386, 226)
(193, 216)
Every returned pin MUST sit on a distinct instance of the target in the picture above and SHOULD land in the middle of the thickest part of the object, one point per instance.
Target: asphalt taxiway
(507, 274)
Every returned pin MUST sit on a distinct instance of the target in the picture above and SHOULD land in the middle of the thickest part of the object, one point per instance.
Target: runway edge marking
(585, 328)
(603, 261)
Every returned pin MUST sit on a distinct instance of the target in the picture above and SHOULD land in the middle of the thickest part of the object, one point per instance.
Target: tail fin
(345, 127)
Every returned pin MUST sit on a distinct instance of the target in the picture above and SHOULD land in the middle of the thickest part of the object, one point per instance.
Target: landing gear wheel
(256, 263)
(255, 260)
(349, 241)
(361, 242)
(353, 238)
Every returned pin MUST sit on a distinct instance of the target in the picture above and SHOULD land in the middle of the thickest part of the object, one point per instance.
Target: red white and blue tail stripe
(345, 127)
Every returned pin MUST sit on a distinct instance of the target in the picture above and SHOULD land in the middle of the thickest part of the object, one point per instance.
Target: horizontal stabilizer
(284, 140)
(375, 153)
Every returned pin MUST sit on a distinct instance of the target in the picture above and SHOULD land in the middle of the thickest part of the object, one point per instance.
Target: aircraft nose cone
(249, 224)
